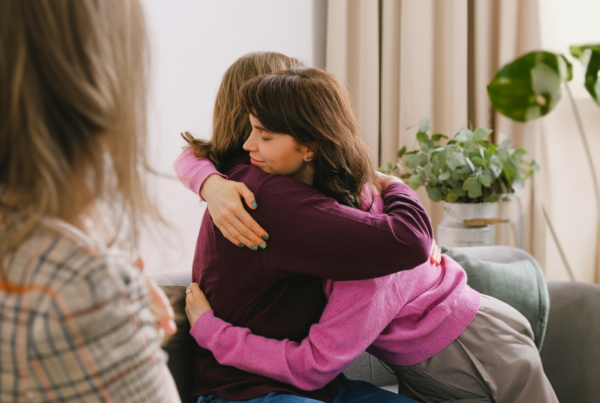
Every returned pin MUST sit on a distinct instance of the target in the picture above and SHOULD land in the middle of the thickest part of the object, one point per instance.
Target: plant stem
(594, 179)
(558, 245)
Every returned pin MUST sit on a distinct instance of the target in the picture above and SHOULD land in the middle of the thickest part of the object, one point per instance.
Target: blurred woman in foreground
(75, 315)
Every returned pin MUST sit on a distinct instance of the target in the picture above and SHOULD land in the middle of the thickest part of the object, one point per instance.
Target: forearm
(351, 322)
(345, 243)
(193, 172)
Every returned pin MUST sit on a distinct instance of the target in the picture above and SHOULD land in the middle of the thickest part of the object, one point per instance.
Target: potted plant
(470, 174)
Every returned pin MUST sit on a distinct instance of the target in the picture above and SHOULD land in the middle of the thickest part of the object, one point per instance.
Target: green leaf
(451, 142)
(471, 183)
(481, 133)
(430, 144)
(423, 159)
(519, 153)
(470, 146)
(424, 125)
(438, 137)
(451, 197)
(589, 56)
(464, 135)
(428, 169)
(487, 178)
(470, 164)
(475, 193)
(455, 159)
(415, 181)
(405, 176)
(434, 193)
(444, 176)
(412, 161)
(422, 137)
(530, 86)
(495, 166)
(478, 161)
(401, 152)
(390, 166)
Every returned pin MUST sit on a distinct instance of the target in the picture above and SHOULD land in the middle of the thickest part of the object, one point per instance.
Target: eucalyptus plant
(466, 169)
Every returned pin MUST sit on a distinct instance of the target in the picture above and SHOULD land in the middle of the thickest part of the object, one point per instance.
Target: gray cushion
(519, 283)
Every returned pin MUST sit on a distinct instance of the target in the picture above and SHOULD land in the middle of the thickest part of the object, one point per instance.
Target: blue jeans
(350, 392)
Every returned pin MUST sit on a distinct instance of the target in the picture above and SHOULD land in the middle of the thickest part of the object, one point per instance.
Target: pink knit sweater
(403, 318)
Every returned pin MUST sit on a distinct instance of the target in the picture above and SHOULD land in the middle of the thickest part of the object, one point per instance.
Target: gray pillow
(520, 284)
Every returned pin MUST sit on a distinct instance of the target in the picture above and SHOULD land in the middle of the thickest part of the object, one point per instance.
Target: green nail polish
(254, 247)
(266, 238)
(241, 245)
(262, 245)
(253, 203)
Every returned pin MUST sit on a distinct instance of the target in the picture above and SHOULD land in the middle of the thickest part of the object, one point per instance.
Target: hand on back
(228, 214)
(435, 253)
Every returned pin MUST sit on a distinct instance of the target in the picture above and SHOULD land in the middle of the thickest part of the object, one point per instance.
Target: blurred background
(403, 60)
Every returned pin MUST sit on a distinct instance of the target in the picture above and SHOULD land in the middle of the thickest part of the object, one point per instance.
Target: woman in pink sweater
(427, 323)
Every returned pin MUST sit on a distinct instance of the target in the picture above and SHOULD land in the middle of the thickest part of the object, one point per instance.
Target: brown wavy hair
(231, 125)
(315, 108)
(73, 75)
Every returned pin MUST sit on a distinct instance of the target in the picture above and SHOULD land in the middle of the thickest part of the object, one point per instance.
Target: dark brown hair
(315, 109)
(231, 125)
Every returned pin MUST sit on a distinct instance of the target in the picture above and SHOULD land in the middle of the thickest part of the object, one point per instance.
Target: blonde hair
(73, 75)
(231, 125)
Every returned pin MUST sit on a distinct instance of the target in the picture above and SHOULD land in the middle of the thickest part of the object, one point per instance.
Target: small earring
(305, 159)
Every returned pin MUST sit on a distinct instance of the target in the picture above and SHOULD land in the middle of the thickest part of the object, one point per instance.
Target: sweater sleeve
(314, 235)
(192, 171)
(357, 312)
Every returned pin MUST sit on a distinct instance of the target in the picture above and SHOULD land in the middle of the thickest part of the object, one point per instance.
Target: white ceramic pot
(452, 232)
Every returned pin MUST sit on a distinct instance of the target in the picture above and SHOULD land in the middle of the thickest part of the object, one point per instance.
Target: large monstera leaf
(589, 56)
(530, 86)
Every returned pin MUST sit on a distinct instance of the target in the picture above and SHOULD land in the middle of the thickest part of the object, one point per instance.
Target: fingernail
(254, 247)
(241, 245)
(262, 245)
(253, 203)
(266, 238)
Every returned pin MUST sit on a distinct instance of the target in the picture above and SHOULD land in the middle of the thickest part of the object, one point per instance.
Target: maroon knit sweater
(278, 292)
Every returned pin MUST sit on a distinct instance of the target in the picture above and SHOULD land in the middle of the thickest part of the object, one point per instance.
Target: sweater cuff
(198, 180)
(206, 327)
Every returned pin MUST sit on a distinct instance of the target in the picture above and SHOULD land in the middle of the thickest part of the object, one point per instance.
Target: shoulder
(259, 181)
(61, 269)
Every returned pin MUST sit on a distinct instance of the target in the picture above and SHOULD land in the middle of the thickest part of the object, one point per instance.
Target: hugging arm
(223, 199)
(354, 317)
(314, 235)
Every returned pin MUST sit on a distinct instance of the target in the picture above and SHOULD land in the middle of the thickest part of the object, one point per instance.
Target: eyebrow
(262, 128)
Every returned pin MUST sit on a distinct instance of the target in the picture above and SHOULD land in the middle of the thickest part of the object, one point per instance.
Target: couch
(570, 354)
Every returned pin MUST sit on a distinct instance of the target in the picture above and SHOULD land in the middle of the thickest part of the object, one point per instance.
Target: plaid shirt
(75, 325)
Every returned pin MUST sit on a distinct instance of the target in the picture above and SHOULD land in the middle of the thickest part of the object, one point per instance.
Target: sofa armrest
(571, 354)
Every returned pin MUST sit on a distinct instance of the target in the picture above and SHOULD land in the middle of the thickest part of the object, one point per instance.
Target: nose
(250, 144)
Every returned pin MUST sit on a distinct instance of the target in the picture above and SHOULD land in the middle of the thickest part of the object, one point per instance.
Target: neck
(306, 174)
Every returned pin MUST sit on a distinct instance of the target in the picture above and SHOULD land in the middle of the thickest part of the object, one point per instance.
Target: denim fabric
(274, 397)
(350, 392)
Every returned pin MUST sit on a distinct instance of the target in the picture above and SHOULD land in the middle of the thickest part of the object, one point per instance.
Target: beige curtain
(409, 59)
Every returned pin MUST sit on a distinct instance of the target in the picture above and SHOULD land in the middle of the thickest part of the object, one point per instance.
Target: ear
(311, 150)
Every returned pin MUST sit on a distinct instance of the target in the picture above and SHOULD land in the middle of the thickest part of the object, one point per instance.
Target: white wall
(571, 202)
(193, 42)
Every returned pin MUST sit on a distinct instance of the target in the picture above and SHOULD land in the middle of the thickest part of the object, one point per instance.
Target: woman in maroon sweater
(278, 292)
